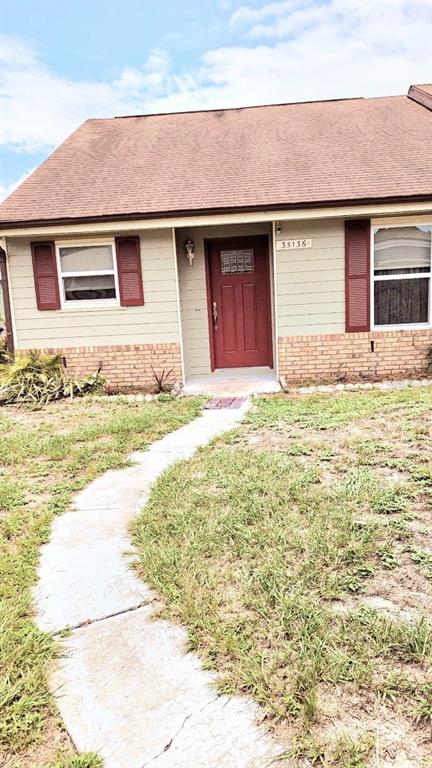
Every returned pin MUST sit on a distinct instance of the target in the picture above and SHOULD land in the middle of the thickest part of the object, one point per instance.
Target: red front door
(239, 296)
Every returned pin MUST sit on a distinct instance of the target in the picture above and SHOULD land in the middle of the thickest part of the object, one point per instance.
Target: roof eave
(24, 223)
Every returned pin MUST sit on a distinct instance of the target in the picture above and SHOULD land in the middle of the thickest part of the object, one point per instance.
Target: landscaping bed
(297, 550)
(46, 456)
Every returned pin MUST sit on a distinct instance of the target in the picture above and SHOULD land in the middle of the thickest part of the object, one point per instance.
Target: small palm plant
(38, 378)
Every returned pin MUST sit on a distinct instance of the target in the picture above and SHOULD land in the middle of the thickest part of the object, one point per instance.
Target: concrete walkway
(124, 684)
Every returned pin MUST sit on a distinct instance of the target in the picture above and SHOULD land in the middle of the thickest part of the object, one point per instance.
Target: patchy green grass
(271, 546)
(79, 761)
(321, 412)
(46, 456)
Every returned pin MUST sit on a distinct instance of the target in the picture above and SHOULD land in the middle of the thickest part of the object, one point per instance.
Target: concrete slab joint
(124, 684)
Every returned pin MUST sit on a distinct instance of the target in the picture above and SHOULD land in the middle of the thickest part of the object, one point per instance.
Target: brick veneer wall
(128, 365)
(349, 355)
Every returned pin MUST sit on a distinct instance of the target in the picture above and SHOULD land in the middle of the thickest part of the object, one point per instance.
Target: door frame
(227, 242)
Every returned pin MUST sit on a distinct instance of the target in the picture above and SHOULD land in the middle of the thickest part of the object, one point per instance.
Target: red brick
(348, 356)
(127, 365)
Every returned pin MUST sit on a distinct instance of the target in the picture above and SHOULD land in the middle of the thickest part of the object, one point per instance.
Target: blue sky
(67, 60)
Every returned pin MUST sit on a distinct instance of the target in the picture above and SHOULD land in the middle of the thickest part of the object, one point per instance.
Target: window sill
(405, 327)
(94, 308)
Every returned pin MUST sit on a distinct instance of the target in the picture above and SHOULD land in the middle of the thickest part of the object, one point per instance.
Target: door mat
(224, 402)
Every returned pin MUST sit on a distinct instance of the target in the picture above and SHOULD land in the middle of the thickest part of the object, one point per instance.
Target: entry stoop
(234, 383)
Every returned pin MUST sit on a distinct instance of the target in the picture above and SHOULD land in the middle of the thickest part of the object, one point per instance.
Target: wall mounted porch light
(190, 250)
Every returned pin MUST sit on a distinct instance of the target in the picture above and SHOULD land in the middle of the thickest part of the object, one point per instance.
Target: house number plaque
(289, 245)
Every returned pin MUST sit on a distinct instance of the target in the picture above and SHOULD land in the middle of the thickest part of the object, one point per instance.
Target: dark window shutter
(129, 271)
(357, 275)
(45, 275)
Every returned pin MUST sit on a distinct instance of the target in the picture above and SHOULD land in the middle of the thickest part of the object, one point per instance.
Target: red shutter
(45, 275)
(129, 271)
(357, 271)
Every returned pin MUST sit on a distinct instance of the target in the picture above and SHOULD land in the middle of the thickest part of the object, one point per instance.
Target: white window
(401, 285)
(87, 274)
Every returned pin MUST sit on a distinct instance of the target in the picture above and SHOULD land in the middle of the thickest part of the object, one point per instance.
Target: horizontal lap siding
(193, 292)
(155, 321)
(310, 281)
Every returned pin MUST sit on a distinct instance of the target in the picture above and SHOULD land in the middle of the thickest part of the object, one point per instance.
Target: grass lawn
(45, 457)
(297, 550)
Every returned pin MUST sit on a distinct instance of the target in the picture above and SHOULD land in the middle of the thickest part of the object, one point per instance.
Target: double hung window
(402, 276)
(87, 274)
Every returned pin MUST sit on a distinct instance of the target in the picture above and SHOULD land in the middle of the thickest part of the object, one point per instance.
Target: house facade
(293, 238)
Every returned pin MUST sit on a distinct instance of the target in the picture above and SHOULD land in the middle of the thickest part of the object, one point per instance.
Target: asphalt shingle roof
(288, 155)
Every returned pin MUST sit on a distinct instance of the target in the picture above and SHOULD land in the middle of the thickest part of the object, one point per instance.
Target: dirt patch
(403, 593)
(45, 753)
(34, 500)
(63, 415)
(398, 741)
(404, 586)
(392, 475)
(421, 525)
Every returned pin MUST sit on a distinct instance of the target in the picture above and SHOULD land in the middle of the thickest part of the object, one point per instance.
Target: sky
(64, 61)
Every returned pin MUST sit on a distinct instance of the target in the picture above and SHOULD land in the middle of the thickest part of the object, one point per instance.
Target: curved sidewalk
(125, 685)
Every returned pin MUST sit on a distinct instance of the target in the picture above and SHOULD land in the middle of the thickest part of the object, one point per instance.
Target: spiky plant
(38, 378)
(163, 380)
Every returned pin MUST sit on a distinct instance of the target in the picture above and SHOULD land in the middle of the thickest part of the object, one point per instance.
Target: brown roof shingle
(289, 155)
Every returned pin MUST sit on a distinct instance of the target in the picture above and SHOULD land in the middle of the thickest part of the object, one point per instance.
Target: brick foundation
(332, 357)
(125, 366)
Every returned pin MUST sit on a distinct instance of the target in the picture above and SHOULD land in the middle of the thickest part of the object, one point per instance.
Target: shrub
(429, 360)
(3, 349)
(38, 378)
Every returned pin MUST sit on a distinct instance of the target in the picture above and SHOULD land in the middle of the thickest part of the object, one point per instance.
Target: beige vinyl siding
(311, 281)
(193, 291)
(156, 321)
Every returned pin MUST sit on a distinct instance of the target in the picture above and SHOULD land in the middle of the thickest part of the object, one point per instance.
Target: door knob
(215, 315)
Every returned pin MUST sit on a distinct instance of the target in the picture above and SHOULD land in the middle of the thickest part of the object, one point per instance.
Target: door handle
(215, 315)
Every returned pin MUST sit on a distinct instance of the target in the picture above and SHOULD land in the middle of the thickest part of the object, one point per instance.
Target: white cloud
(292, 51)
(158, 61)
(13, 51)
(387, 23)
(314, 51)
(41, 109)
(245, 15)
